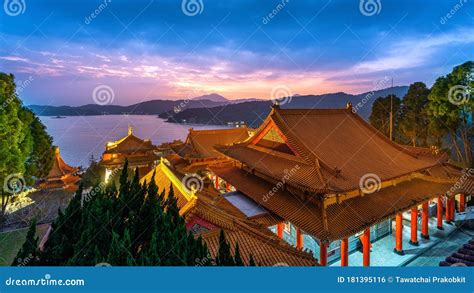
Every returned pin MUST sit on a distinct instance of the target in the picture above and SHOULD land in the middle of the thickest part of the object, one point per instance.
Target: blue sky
(145, 49)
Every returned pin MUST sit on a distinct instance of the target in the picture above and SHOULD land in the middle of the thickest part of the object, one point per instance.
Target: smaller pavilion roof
(60, 168)
(129, 144)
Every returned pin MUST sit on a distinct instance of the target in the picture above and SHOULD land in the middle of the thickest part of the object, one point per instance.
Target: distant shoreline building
(139, 153)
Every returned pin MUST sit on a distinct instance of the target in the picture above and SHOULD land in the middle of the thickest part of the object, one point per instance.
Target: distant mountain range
(253, 112)
(216, 109)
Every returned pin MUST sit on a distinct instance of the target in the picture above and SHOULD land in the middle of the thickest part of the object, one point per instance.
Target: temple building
(207, 213)
(198, 150)
(197, 153)
(337, 183)
(61, 176)
(139, 153)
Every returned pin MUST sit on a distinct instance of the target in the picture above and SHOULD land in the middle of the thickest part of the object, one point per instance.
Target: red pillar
(366, 247)
(280, 230)
(323, 253)
(462, 203)
(227, 186)
(414, 226)
(299, 239)
(448, 210)
(440, 212)
(453, 209)
(216, 186)
(344, 252)
(424, 221)
(398, 234)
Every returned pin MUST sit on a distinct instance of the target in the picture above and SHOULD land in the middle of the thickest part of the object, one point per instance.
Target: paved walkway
(382, 250)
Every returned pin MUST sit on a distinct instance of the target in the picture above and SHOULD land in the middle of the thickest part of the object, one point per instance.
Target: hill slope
(154, 107)
(253, 113)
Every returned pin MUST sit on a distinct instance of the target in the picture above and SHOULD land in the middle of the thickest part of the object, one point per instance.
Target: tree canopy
(26, 150)
(132, 225)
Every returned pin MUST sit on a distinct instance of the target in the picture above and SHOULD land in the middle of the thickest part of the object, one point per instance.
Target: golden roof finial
(130, 130)
(349, 106)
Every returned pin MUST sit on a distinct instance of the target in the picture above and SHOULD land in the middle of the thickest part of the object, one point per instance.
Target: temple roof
(332, 148)
(200, 143)
(345, 218)
(60, 168)
(129, 144)
(207, 205)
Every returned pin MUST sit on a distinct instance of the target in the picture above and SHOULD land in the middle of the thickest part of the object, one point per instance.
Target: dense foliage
(26, 150)
(441, 116)
(130, 225)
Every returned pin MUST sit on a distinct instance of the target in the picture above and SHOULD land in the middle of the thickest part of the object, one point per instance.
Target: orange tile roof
(61, 175)
(200, 143)
(253, 238)
(337, 148)
(129, 144)
(345, 218)
(60, 168)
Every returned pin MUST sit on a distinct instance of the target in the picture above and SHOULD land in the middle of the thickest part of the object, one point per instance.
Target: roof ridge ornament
(276, 104)
(349, 106)
(130, 129)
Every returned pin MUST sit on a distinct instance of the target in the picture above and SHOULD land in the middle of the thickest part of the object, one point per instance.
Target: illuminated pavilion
(61, 175)
(337, 181)
(139, 153)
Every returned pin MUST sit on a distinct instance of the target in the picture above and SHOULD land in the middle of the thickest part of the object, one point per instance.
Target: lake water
(79, 137)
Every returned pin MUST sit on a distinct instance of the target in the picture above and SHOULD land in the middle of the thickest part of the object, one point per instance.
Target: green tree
(380, 116)
(26, 150)
(414, 122)
(224, 255)
(141, 227)
(94, 174)
(451, 108)
(29, 251)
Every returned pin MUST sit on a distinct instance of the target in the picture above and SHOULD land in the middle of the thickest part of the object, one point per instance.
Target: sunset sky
(150, 49)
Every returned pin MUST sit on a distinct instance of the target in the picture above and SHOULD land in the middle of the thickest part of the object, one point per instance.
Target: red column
(440, 212)
(453, 209)
(299, 239)
(344, 252)
(366, 247)
(424, 221)
(462, 203)
(227, 186)
(398, 234)
(216, 186)
(414, 226)
(448, 210)
(323, 253)
(280, 230)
